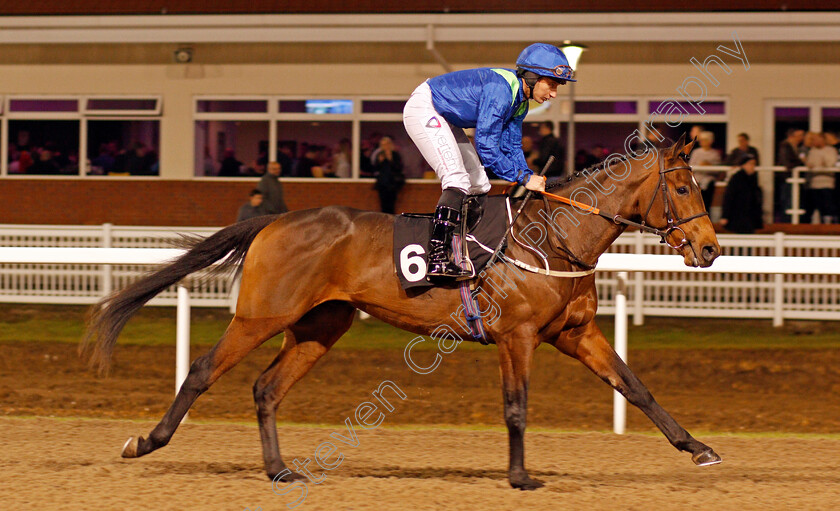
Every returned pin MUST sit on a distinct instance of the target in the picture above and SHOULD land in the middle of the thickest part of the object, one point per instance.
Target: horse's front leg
(515, 365)
(588, 344)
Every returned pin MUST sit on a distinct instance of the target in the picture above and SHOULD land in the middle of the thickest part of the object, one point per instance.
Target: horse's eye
(682, 190)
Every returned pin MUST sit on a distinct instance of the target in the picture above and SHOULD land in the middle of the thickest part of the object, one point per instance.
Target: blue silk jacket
(492, 102)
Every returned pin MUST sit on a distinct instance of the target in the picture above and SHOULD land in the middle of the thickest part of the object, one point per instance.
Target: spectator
(389, 175)
(272, 190)
(367, 147)
(744, 148)
(549, 146)
(583, 159)
(529, 151)
(252, 208)
(307, 164)
(706, 156)
(45, 164)
(787, 156)
(230, 165)
(341, 159)
(742, 201)
(694, 134)
(598, 153)
(105, 161)
(832, 140)
(285, 157)
(137, 161)
(821, 184)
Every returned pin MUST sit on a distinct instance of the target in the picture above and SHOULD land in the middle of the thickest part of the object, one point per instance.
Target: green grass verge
(156, 326)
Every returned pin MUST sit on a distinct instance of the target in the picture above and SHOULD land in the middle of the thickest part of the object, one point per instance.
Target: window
(232, 106)
(43, 147)
(46, 135)
(414, 166)
(308, 148)
(786, 118)
(230, 148)
(831, 119)
(123, 148)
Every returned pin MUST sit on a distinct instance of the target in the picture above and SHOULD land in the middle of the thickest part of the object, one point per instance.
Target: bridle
(672, 218)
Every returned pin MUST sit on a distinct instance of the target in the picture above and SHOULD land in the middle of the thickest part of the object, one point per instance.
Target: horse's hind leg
(240, 338)
(588, 344)
(306, 342)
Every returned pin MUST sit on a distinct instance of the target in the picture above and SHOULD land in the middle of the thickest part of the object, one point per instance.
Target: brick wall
(178, 203)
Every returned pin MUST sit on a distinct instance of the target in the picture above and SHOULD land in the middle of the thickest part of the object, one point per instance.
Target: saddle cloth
(486, 222)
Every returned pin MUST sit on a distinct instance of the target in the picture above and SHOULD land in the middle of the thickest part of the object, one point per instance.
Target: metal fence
(776, 297)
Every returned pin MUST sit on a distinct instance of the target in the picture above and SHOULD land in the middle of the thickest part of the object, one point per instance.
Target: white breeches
(445, 147)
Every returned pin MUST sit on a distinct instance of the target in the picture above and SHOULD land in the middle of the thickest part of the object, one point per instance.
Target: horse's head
(676, 206)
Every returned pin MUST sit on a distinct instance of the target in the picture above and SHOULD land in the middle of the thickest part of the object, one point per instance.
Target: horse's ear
(682, 147)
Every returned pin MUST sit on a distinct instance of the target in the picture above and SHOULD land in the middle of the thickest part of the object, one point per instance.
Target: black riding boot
(446, 220)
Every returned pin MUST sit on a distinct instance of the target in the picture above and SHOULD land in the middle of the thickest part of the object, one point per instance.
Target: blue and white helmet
(545, 60)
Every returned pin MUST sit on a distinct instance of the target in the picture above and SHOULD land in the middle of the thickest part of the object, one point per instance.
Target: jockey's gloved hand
(536, 183)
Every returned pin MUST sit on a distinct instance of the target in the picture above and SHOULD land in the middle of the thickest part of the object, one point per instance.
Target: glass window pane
(414, 165)
(312, 149)
(233, 106)
(710, 107)
(383, 106)
(831, 120)
(605, 107)
(44, 105)
(128, 148)
(43, 147)
(594, 141)
(786, 118)
(329, 106)
(122, 104)
(292, 106)
(231, 148)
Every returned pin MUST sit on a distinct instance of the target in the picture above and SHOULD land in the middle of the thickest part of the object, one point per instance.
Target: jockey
(494, 102)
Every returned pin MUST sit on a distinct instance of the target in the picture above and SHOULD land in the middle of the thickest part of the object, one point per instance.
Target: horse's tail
(107, 318)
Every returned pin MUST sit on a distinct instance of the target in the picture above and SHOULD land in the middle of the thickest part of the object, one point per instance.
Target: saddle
(484, 222)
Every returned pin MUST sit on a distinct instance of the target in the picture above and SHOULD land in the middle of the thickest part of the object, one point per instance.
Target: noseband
(671, 216)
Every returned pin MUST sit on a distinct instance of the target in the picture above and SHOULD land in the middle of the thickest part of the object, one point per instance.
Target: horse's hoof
(129, 450)
(286, 476)
(526, 483)
(706, 458)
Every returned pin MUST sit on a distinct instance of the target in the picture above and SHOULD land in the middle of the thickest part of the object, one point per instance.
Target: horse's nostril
(710, 252)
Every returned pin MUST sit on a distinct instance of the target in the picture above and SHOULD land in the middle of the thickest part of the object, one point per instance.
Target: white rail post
(107, 269)
(234, 294)
(182, 337)
(619, 403)
(778, 282)
(796, 196)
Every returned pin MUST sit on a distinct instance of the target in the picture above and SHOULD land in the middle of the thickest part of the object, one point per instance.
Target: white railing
(656, 293)
(86, 283)
(621, 264)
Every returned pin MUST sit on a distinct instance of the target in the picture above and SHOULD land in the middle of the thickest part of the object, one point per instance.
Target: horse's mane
(560, 182)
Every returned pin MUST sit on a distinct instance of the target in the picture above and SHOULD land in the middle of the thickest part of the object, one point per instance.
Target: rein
(673, 219)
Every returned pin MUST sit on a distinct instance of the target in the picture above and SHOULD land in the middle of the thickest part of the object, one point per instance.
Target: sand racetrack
(74, 464)
(64, 462)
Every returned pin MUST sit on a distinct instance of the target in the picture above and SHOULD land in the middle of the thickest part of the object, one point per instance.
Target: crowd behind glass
(52, 152)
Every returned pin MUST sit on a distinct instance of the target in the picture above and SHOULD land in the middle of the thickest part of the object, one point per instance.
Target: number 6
(409, 257)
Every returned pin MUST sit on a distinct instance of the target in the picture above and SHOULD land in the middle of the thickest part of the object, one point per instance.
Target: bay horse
(306, 272)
